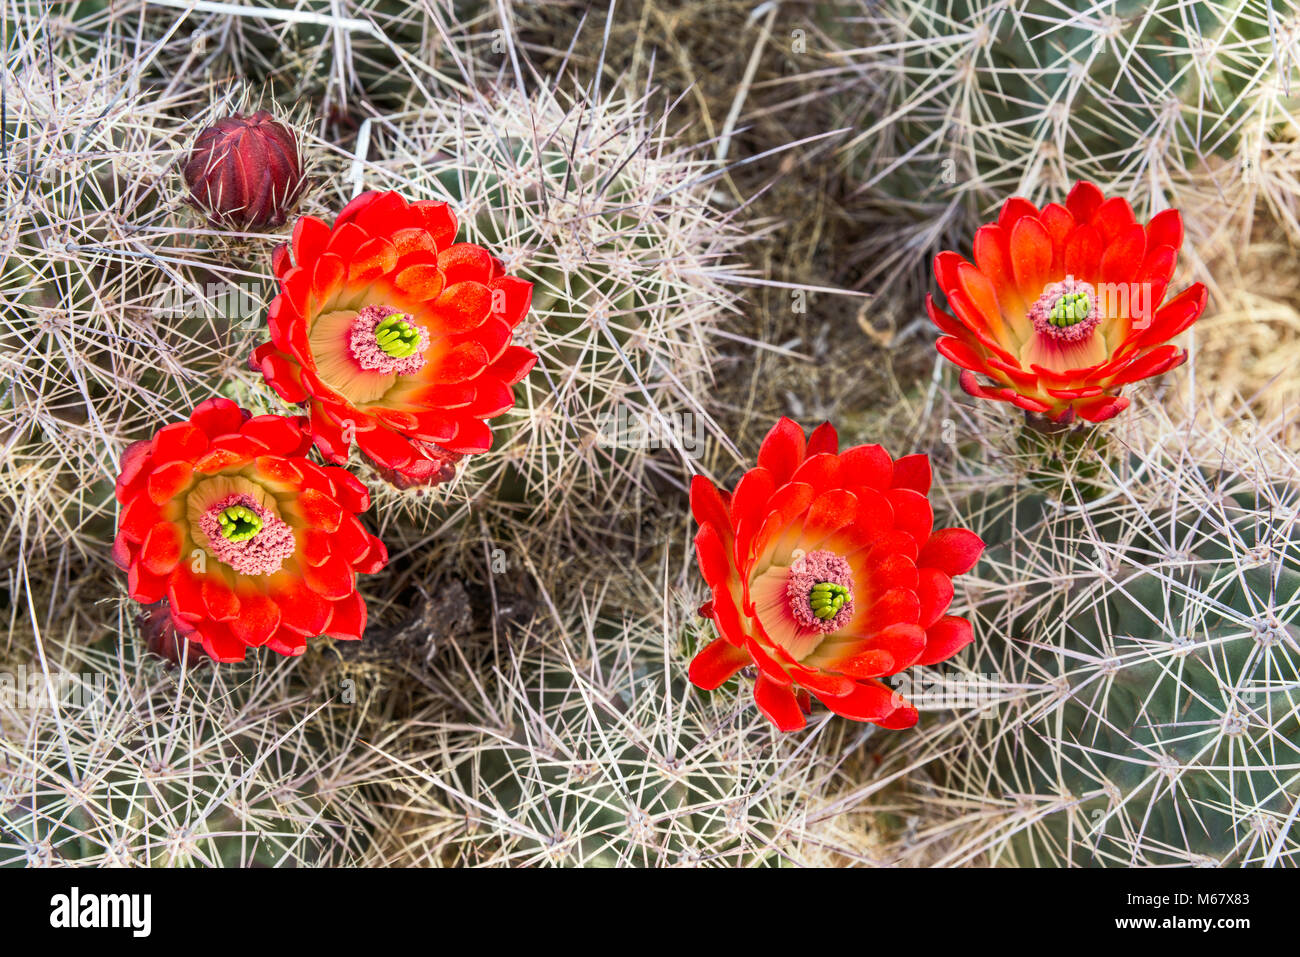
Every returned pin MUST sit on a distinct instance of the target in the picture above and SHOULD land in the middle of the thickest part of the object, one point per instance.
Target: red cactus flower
(250, 543)
(1062, 307)
(827, 575)
(245, 171)
(395, 336)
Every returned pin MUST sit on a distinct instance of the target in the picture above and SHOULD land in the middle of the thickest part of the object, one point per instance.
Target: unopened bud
(245, 172)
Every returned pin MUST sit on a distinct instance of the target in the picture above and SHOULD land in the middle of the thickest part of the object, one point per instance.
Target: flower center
(387, 340)
(827, 598)
(396, 336)
(819, 591)
(250, 539)
(239, 523)
(1066, 311)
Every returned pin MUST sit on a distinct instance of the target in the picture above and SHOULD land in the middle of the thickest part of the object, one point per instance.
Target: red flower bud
(164, 639)
(245, 171)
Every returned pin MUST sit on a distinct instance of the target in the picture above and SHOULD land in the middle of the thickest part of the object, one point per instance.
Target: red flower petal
(872, 663)
(961, 354)
(302, 610)
(912, 513)
(376, 212)
(386, 447)
(1084, 200)
(420, 282)
(945, 638)
(1031, 257)
(778, 704)
(352, 494)
(220, 644)
(1153, 363)
(900, 719)
(259, 618)
(375, 560)
(1123, 257)
(438, 219)
(1059, 223)
(372, 259)
(715, 663)
(134, 459)
(217, 416)
(1165, 229)
(868, 465)
(993, 257)
(144, 586)
(349, 619)
(180, 440)
(280, 435)
(327, 278)
(282, 376)
(707, 505)
(515, 363)
(749, 500)
(219, 600)
(913, 471)
(463, 306)
(460, 363)
(935, 591)
(309, 238)
(898, 606)
(1113, 217)
(333, 579)
(465, 262)
(319, 510)
(285, 642)
(1014, 210)
(1175, 316)
(951, 550)
(946, 265)
(820, 471)
(869, 701)
(782, 450)
(1101, 409)
(138, 517)
(161, 549)
(511, 298)
(1083, 251)
(904, 641)
(824, 438)
(713, 556)
(471, 436)
(168, 481)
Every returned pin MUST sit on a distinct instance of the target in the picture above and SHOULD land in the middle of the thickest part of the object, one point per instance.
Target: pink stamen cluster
(263, 554)
(366, 351)
(1040, 314)
(818, 566)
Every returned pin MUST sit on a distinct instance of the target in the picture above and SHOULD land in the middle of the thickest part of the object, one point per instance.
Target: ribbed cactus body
(585, 746)
(244, 772)
(958, 106)
(1142, 659)
(1175, 729)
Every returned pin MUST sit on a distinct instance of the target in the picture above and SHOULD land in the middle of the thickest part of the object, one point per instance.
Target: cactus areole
(1064, 306)
(827, 575)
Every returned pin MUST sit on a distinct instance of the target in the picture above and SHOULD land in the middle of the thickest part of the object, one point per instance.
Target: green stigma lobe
(396, 337)
(827, 598)
(1071, 308)
(238, 523)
